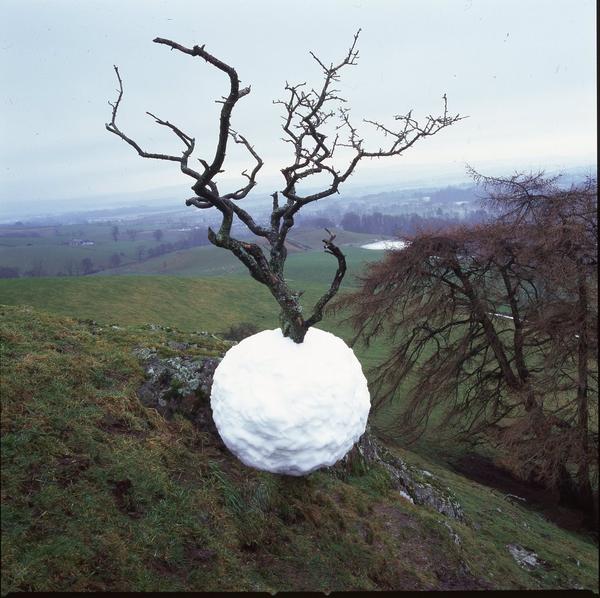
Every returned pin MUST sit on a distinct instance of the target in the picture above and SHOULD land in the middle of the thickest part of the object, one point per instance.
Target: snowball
(290, 408)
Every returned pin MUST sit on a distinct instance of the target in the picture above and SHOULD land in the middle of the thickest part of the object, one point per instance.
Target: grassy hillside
(100, 493)
(189, 304)
(211, 304)
(214, 304)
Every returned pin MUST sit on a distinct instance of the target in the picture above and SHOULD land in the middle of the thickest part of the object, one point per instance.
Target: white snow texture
(290, 408)
(385, 245)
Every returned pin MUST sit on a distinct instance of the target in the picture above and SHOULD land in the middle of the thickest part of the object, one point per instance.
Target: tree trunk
(291, 322)
(292, 326)
(584, 486)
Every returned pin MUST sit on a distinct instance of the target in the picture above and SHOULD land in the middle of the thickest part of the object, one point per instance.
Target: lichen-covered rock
(178, 385)
(421, 486)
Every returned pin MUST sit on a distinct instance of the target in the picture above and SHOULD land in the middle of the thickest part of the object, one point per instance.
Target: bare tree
(37, 268)
(307, 117)
(114, 233)
(158, 235)
(492, 329)
(72, 267)
(114, 261)
(87, 265)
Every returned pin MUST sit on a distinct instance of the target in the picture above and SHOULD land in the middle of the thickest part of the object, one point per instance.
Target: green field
(47, 251)
(185, 303)
(211, 304)
(301, 267)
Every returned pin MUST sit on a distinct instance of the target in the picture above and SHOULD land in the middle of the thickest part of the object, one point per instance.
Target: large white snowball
(290, 408)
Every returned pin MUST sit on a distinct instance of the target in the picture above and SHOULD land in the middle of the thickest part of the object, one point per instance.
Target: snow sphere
(290, 408)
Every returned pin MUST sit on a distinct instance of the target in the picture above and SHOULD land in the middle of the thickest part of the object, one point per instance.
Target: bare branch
(189, 141)
(332, 249)
(241, 193)
(316, 122)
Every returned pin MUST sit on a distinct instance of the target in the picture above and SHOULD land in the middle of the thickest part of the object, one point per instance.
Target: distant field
(47, 248)
(314, 237)
(198, 261)
(46, 251)
(301, 267)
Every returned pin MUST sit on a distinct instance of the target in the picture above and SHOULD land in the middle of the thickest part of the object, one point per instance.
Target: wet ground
(533, 496)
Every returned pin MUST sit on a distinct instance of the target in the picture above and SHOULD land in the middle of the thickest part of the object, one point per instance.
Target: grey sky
(524, 72)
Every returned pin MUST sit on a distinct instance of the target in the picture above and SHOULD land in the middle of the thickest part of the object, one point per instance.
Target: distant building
(80, 242)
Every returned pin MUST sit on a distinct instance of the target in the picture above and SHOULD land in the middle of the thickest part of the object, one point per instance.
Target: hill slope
(211, 303)
(102, 493)
(186, 303)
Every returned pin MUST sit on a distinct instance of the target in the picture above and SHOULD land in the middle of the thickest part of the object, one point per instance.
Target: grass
(100, 493)
(212, 304)
(190, 304)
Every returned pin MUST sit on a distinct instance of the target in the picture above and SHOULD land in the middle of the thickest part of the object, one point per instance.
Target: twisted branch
(307, 112)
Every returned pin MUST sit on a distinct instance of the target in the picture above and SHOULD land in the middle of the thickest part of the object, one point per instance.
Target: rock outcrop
(179, 385)
(417, 485)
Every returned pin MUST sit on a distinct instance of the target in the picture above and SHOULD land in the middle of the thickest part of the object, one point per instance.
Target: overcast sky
(524, 72)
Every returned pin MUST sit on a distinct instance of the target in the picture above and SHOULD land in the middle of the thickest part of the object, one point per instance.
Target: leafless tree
(72, 267)
(37, 268)
(114, 261)
(308, 115)
(492, 329)
(87, 265)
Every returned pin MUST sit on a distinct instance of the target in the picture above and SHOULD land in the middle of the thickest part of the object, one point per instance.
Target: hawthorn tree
(492, 328)
(308, 117)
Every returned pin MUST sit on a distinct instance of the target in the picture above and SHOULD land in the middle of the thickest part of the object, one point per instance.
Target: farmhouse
(80, 242)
